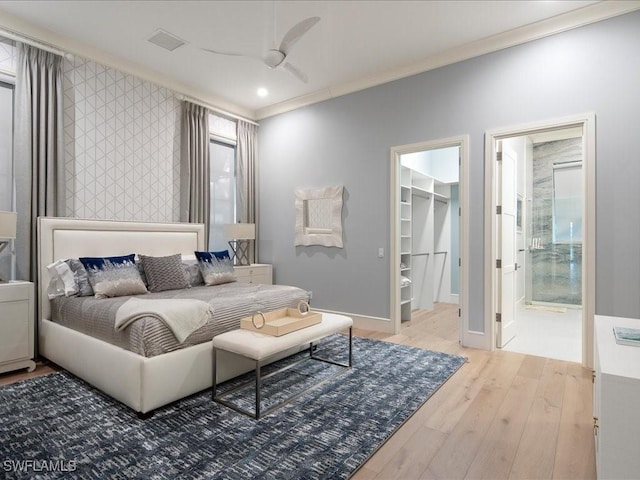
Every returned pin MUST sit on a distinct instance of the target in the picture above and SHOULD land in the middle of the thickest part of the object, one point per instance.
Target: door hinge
(499, 156)
(498, 263)
(593, 376)
(459, 312)
(499, 209)
(459, 211)
(595, 426)
(459, 262)
(499, 317)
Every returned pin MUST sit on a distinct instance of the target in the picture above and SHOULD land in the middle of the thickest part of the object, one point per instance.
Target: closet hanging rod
(441, 201)
(418, 254)
(440, 253)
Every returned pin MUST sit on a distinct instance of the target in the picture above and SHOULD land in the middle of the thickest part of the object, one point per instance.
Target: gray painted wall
(347, 140)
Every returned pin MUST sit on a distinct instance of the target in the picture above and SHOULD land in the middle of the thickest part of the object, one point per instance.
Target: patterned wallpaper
(122, 145)
(8, 56)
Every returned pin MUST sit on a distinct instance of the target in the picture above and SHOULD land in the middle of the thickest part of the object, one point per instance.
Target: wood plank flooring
(502, 415)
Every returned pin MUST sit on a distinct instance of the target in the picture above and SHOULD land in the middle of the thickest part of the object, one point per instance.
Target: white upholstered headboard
(61, 238)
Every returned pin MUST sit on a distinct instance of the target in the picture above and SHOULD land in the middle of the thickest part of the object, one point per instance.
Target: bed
(142, 382)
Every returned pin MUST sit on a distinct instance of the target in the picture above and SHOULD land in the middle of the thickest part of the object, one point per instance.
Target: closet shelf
(421, 192)
(440, 198)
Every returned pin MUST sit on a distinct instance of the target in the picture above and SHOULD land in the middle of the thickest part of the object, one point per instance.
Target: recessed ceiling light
(262, 92)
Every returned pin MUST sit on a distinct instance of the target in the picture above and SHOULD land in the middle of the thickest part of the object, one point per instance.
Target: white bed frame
(142, 383)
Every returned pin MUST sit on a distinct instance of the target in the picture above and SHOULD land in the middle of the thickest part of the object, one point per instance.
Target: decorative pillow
(62, 281)
(81, 277)
(114, 276)
(164, 273)
(192, 270)
(216, 267)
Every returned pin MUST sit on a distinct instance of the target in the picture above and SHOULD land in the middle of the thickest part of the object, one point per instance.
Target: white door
(506, 254)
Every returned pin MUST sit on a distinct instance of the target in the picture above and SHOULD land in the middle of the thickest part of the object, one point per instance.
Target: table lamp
(239, 236)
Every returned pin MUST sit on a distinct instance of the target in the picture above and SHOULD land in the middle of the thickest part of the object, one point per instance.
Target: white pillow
(62, 280)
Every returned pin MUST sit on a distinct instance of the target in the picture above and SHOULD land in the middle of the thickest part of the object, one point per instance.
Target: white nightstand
(16, 326)
(255, 273)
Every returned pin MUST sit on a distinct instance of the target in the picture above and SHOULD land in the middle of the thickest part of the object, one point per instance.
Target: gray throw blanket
(182, 316)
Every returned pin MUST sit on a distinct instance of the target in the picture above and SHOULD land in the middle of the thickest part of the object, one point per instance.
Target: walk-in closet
(429, 270)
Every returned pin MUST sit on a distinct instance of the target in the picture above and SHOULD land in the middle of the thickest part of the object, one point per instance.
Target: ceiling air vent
(166, 40)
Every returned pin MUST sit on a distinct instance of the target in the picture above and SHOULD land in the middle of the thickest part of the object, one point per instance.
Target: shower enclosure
(554, 235)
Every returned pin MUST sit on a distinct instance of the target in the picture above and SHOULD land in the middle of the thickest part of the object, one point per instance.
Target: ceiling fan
(276, 57)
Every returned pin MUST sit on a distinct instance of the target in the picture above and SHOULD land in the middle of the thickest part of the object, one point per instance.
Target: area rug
(57, 426)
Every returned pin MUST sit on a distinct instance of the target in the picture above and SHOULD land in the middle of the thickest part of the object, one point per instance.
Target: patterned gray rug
(57, 426)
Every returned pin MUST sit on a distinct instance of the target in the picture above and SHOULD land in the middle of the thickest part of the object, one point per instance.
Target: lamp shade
(240, 231)
(8, 221)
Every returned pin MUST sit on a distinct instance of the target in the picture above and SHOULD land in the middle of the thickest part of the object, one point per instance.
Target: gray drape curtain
(247, 191)
(38, 150)
(194, 166)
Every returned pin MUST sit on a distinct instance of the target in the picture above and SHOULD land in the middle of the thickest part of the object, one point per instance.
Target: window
(222, 160)
(567, 203)
(6, 167)
(6, 146)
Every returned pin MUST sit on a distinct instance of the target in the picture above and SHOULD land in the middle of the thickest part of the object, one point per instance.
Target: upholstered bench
(263, 349)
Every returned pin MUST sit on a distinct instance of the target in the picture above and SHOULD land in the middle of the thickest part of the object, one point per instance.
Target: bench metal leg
(214, 370)
(258, 387)
(258, 413)
(349, 365)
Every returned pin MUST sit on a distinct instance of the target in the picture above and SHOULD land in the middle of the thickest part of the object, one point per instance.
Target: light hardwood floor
(502, 415)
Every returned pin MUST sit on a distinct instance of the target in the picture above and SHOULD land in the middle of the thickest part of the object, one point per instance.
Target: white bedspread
(181, 316)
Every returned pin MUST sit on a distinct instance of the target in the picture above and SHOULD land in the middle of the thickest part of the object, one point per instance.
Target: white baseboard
(376, 324)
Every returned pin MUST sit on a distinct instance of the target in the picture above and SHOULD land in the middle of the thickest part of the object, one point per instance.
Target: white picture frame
(319, 216)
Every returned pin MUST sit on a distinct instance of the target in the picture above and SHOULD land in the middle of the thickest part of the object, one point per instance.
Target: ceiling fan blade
(296, 71)
(297, 31)
(229, 54)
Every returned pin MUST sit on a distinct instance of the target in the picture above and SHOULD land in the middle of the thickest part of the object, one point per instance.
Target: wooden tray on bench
(280, 322)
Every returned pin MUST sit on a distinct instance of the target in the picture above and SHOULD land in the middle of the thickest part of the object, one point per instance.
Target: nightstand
(254, 273)
(16, 326)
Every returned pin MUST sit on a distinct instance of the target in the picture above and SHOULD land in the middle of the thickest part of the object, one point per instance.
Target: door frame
(588, 123)
(461, 141)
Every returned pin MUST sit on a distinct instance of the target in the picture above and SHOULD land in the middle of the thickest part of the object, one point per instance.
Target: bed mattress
(150, 337)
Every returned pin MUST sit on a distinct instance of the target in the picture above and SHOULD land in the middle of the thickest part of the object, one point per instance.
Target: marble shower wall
(556, 268)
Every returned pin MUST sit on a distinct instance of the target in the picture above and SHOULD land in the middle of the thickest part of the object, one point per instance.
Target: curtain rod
(215, 109)
(17, 37)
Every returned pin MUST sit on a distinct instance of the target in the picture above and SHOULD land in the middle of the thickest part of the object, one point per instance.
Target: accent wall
(122, 145)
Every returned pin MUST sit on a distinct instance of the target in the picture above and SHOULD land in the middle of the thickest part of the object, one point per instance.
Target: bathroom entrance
(540, 254)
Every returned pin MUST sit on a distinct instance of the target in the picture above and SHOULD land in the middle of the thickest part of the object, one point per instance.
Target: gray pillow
(80, 276)
(192, 270)
(164, 273)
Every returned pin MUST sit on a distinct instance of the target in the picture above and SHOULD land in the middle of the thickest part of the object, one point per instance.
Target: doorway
(428, 234)
(541, 237)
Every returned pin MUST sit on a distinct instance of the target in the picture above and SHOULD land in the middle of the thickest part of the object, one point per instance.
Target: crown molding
(560, 23)
(567, 21)
(23, 28)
